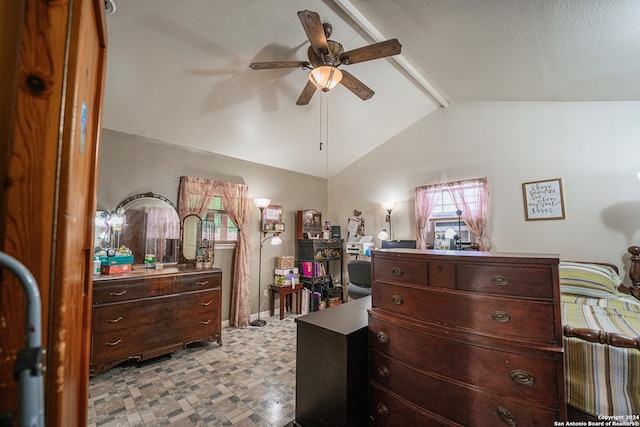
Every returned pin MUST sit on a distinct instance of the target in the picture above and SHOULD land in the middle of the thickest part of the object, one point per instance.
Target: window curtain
(240, 314)
(194, 197)
(474, 214)
(427, 197)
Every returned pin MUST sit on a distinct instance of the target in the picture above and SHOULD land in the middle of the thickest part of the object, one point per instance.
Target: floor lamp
(261, 204)
(389, 206)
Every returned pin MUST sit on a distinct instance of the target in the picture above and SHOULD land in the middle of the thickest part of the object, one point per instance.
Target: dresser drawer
(136, 341)
(387, 409)
(114, 317)
(400, 270)
(502, 280)
(462, 404)
(528, 377)
(526, 319)
(198, 282)
(125, 290)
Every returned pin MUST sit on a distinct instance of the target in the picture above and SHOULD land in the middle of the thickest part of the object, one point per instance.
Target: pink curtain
(240, 314)
(427, 197)
(194, 197)
(474, 208)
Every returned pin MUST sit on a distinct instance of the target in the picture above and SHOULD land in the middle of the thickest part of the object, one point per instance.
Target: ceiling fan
(325, 56)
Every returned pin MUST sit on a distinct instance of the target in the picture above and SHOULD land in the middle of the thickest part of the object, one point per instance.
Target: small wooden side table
(286, 293)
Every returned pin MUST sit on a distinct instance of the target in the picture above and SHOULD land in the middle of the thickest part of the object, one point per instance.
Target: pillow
(593, 280)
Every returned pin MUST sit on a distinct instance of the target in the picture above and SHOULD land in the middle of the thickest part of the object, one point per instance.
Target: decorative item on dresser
(465, 338)
(149, 313)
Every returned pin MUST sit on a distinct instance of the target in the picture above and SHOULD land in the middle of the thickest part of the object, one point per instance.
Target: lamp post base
(258, 322)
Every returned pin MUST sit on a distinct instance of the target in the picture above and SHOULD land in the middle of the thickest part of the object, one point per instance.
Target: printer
(359, 245)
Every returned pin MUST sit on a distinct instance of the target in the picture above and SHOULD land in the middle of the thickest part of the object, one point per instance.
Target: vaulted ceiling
(178, 71)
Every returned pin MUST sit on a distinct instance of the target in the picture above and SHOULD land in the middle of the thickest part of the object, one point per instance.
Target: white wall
(593, 147)
(132, 165)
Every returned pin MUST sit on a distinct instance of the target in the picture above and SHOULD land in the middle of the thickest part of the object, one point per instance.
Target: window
(218, 225)
(440, 203)
(446, 208)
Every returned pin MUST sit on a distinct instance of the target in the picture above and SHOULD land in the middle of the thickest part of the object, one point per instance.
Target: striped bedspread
(602, 379)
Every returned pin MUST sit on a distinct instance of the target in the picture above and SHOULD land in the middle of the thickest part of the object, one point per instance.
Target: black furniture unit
(331, 366)
(319, 254)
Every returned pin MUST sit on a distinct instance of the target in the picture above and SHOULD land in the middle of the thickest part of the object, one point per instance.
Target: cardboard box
(116, 260)
(115, 269)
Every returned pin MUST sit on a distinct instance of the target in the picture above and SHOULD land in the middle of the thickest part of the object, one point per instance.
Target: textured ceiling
(178, 71)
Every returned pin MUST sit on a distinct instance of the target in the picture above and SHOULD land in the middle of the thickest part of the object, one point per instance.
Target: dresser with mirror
(157, 308)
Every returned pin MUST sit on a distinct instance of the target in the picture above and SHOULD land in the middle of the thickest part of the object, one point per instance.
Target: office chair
(359, 278)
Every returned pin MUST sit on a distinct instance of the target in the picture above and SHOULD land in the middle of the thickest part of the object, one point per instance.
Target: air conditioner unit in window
(441, 227)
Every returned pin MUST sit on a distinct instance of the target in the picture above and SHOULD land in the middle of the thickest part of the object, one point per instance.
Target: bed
(601, 341)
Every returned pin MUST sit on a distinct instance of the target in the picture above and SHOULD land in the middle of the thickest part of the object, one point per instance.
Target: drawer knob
(117, 294)
(396, 299)
(382, 409)
(500, 280)
(521, 377)
(204, 304)
(382, 337)
(507, 416)
(501, 316)
(206, 282)
(114, 320)
(383, 372)
(205, 322)
(111, 344)
(396, 271)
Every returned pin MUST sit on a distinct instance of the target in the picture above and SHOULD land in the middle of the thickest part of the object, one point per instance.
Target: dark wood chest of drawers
(149, 313)
(465, 338)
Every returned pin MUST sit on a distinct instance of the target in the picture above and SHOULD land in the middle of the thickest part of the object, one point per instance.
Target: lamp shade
(325, 77)
(450, 233)
(276, 240)
(389, 206)
(383, 235)
(261, 203)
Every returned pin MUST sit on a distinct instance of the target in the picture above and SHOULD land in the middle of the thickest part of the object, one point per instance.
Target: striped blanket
(602, 379)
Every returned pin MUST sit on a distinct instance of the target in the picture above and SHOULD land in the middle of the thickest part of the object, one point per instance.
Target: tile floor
(248, 381)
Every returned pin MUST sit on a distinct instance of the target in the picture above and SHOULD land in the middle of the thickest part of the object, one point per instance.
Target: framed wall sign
(272, 219)
(543, 200)
(272, 214)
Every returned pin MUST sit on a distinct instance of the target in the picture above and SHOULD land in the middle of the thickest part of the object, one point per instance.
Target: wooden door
(49, 200)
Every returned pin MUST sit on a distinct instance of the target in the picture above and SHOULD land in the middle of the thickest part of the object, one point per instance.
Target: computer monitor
(398, 244)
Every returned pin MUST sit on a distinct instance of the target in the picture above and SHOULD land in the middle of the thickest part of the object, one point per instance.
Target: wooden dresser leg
(634, 270)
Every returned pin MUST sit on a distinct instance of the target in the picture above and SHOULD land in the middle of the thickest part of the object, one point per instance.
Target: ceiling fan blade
(372, 51)
(315, 32)
(356, 86)
(306, 94)
(278, 64)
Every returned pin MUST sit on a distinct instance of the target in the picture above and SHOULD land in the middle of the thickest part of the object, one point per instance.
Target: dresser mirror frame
(135, 234)
(198, 240)
(191, 226)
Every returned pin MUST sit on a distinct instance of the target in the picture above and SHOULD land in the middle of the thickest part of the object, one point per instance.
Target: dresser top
(139, 272)
(471, 256)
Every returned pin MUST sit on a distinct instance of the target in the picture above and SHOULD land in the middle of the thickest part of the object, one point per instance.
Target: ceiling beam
(373, 32)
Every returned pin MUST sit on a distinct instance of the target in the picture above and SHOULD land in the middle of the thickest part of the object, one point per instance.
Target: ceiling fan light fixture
(325, 77)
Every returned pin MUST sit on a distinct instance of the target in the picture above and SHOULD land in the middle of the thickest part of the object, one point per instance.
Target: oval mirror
(151, 226)
(190, 231)
(102, 231)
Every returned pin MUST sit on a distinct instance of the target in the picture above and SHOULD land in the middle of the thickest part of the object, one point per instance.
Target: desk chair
(359, 278)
